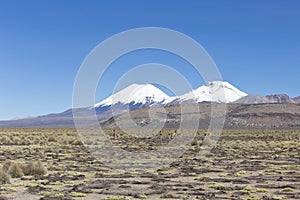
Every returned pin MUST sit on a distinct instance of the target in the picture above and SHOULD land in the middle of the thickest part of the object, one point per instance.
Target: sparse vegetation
(245, 164)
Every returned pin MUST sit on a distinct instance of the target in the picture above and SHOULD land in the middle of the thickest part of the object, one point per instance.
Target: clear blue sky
(255, 44)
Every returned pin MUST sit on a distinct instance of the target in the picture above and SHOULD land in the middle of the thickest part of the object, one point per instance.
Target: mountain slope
(145, 94)
(280, 98)
(296, 99)
(253, 99)
(216, 91)
(238, 116)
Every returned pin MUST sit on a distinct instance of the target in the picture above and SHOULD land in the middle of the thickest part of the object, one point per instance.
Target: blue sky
(255, 44)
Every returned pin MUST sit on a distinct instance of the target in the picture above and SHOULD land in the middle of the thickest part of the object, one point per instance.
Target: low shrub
(34, 168)
(76, 194)
(13, 169)
(287, 189)
(5, 140)
(52, 139)
(4, 177)
(76, 142)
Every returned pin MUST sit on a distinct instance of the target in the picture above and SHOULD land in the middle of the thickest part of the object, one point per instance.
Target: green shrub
(59, 195)
(142, 196)
(115, 198)
(287, 189)
(76, 194)
(262, 190)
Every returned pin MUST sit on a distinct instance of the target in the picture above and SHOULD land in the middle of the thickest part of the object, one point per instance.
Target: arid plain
(41, 163)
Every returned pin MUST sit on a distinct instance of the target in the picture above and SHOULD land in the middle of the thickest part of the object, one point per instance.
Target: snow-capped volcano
(143, 94)
(216, 91)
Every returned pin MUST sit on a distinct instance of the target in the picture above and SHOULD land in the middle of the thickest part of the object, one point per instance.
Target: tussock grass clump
(5, 140)
(6, 165)
(194, 143)
(34, 168)
(76, 142)
(52, 139)
(4, 177)
(13, 169)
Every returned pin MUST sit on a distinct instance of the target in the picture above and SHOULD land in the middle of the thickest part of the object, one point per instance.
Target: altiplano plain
(245, 164)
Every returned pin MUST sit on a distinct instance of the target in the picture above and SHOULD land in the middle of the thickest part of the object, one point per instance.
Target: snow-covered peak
(136, 93)
(215, 91)
(148, 95)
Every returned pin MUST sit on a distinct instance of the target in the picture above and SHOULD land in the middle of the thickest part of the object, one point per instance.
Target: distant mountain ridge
(138, 96)
(258, 99)
(296, 99)
(282, 98)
